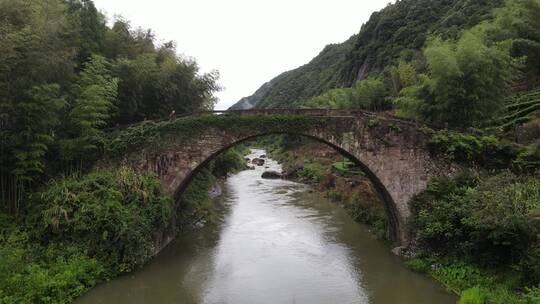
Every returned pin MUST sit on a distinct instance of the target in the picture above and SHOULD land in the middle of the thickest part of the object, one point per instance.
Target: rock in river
(271, 175)
(258, 161)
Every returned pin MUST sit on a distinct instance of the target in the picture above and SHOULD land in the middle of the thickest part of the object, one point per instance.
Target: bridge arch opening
(392, 214)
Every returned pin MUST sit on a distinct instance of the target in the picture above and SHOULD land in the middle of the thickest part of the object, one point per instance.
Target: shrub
(459, 275)
(231, 160)
(498, 219)
(473, 283)
(484, 217)
(419, 265)
(475, 295)
(195, 204)
(485, 295)
(438, 212)
(532, 295)
(52, 274)
(482, 150)
(368, 214)
(112, 213)
(486, 221)
(529, 159)
(530, 266)
(312, 172)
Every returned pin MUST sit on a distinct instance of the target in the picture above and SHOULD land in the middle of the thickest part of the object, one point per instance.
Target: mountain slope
(397, 31)
(400, 31)
(251, 101)
(312, 79)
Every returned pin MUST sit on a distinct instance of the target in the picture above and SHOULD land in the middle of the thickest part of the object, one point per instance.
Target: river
(277, 242)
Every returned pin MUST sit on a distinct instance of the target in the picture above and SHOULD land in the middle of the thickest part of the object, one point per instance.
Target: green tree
(91, 29)
(96, 93)
(36, 62)
(31, 142)
(154, 84)
(518, 22)
(339, 98)
(403, 75)
(370, 94)
(367, 94)
(121, 41)
(467, 81)
(410, 101)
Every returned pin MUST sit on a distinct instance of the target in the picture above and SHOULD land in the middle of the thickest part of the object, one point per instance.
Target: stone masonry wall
(393, 154)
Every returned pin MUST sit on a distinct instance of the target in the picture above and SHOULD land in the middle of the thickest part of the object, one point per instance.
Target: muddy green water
(276, 243)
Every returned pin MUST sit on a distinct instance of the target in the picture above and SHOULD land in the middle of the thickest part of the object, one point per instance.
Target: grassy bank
(87, 229)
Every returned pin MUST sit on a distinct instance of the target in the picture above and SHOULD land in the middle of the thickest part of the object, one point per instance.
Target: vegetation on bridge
(150, 134)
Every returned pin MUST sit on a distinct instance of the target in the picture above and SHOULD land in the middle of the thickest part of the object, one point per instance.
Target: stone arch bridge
(393, 153)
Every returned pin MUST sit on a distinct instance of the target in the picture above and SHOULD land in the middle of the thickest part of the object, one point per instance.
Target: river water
(275, 243)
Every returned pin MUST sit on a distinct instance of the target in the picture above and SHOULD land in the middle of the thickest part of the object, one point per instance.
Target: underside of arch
(394, 223)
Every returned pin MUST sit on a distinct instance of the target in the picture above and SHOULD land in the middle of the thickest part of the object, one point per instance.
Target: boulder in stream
(271, 175)
(258, 161)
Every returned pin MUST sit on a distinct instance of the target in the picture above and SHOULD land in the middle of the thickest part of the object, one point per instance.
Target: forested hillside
(314, 78)
(399, 31)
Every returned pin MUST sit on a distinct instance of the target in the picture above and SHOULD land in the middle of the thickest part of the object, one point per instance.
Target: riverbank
(87, 229)
(475, 233)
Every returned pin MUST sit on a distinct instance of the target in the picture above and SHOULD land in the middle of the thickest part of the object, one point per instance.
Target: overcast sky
(248, 41)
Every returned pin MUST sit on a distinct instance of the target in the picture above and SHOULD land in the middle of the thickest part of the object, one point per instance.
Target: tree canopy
(65, 75)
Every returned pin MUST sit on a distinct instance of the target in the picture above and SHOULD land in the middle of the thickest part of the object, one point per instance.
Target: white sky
(248, 41)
